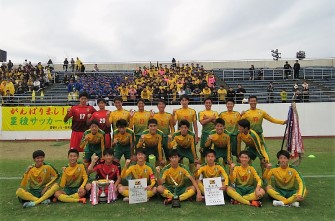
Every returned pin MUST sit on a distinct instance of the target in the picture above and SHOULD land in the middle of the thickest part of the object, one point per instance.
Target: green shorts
(70, 190)
(245, 190)
(286, 193)
(90, 149)
(221, 152)
(119, 151)
(253, 153)
(180, 189)
(186, 152)
(203, 139)
(233, 144)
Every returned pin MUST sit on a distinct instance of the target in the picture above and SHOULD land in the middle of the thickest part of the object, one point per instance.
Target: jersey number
(82, 116)
(102, 120)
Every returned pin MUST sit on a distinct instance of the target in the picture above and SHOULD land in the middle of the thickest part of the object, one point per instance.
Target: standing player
(73, 181)
(255, 117)
(184, 141)
(254, 145)
(286, 177)
(243, 178)
(119, 113)
(38, 182)
(231, 118)
(165, 124)
(220, 142)
(210, 170)
(207, 119)
(186, 113)
(79, 114)
(93, 142)
(139, 120)
(173, 176)
(138, 171)
(101, 117)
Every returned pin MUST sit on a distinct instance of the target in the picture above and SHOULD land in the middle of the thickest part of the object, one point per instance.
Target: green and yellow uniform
(285, 188)
(73, 178)
(139, 123)
(165, 124)
(231, 126)
(207, 171)
(188, 114)
(207, 128)
(117, 115)
(221, 144)
(94, 144)
(152, 144)
(185, 144)
(124, 145)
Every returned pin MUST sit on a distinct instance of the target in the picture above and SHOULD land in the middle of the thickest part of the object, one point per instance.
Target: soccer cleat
(255, 203)
(47, 201)
(278, 203)
(82, 200)
(28, 204)
(295, 204)
(126, 199)
(167, 201)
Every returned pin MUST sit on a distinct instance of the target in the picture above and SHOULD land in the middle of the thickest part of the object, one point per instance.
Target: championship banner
(35, 118)
(213, 194)
(137, 192)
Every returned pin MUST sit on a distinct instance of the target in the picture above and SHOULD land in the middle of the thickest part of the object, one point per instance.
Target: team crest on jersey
(87, 109)
(180, 173)
(145, 170)
(259, 112)
(290, 173)
(249, 171)
(216, 169)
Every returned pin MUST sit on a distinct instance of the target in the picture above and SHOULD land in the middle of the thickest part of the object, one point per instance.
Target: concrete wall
(316, 119)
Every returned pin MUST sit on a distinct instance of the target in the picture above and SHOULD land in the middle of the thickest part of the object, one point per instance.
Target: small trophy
(175, 199)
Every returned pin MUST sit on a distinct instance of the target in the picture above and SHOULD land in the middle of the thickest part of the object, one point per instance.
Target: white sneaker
(278, 203)
(126, 199)
(295, 204)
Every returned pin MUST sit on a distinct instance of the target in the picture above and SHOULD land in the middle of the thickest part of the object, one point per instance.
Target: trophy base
(102, 200)
(175, 203)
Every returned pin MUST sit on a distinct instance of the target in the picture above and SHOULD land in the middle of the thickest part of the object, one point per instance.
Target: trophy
(103, 196)
(175, 199)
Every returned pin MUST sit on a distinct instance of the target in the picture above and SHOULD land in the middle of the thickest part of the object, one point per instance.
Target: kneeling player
(244, 177)
(284, 191)
(106, 172)
(172, 180)
(40, 179)
(73, 181)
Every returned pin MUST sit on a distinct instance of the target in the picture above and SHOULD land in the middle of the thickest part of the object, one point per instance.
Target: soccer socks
(25, 195)
(236, 196)
(167, 194)
(201, 187)
(125, 193)
(275, 195)
(68, 199)
(49, 193)
(251, 196)
(188, 193)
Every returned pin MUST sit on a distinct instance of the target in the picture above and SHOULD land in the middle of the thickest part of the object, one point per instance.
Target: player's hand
(132, 112)
(81, 191)
(205, 117)
(170, 137)
(87, 137)
(268, 166)
(198, 166)
(285, 122)
(213, 117)
(224, 187)
(108, 113)
(243, 112)
(210, 137)
(196, 161)
(199, 197)
(128, 162)
(174, 112)
(232, 165)
(197, 140)
(158, 169)
(68, 110)
(162, 162)
(63, 169)
(148, 188)
(258, 193)
(94, 158)
(115, 141)
(152, 113)
(299, 198)
(89, 116)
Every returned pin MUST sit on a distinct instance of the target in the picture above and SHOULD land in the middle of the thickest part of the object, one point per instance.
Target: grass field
(319, 177)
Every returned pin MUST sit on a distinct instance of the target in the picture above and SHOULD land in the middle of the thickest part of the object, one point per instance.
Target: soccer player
(79, 114)
(254, 145)
(210, 170)
(207, 120)
(165, 124)
(184, 141)
(119, 113)
(186, 113)
(151, 141)
(139, 120)
(284, 190)
(172, 180)
(138, 171)
(105, 169)
(220, 142)
(231, 118)
(255, 117)
(73, 181)
(38, 182)
(243, 178)
(101, 117)
(93, 141)
(123, 142)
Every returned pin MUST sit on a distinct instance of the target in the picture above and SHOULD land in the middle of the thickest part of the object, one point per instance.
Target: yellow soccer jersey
(139, 172)
(286, 179)
(231, 119)
(188, 114)
(221, 141)
(145, 94)
(178, 174)
(222, 94)
(74, 176)
(151, 141)
(245, 176)
(186, 142)
(139, 121)
(255, 117)
(93, 139)
(126, 139)
(165, 123)
(207, 114)
(117, 115)
(37, 178)
(216, 170)
(252, 140)
(206, 92)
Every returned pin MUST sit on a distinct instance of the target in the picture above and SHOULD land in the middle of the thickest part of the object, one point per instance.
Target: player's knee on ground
(81, 192)
(58, 193)
(88, 187)
(19, 191)
(160, 189)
